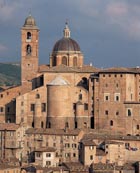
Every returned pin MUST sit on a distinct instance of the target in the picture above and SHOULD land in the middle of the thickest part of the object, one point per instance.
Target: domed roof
(29, 22)
(66, 43)
(58, 81)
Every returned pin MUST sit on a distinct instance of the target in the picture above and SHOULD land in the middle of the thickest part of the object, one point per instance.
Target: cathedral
(67, 94)
(68, 111)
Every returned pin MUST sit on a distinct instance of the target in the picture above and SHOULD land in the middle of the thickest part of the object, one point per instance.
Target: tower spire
(66, 30)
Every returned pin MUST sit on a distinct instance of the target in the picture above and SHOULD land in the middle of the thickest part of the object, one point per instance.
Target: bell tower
(29, 51)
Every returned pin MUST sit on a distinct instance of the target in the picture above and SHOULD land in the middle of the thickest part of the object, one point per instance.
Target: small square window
(91, 157)
(106, 112)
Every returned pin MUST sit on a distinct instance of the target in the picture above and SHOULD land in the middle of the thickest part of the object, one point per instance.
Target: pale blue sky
(108, 31)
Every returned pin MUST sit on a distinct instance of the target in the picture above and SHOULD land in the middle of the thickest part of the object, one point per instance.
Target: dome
(58, 81)
(66, 44)
(29, 22)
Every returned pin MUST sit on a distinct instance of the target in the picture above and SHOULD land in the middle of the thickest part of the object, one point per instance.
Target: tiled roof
(75, 166)
(89, 142)
(73, 132)
(8, 126)
(63, 68)
(109, 166)
(7, 166)
(45, 149)
(120, 70)
(106, 136)
(100, 152)
(114, 142)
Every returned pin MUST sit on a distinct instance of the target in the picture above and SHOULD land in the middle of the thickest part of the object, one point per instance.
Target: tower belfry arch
(29, 50)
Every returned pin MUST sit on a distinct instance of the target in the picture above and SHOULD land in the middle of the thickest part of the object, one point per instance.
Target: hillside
(9, 74)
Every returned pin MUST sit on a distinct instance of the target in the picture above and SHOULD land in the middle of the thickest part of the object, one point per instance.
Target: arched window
(67, 125)
(80, 96)
(75, 61)
(129, 112)
(37, 96)
(28, 50)
(111, 123)
(85, 124)
(54, 61)
(64, 60)
(29, 35)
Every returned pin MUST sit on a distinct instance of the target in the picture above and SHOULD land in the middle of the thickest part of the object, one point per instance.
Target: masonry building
(68, 111)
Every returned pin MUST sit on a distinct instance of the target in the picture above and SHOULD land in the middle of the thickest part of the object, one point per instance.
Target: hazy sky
(108, 31)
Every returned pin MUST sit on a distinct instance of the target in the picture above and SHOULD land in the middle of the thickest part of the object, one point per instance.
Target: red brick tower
(29, 51)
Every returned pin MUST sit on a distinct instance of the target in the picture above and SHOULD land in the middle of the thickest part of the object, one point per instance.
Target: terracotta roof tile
(63, 68)
(120, 70)
(89, 142)
(100, 152)
(45, 149)
(8, 126)
(73, 132)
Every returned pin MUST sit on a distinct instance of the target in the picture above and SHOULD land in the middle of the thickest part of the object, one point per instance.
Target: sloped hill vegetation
(9, 74)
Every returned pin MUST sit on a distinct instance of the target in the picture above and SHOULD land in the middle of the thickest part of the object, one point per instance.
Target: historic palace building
(68, 111)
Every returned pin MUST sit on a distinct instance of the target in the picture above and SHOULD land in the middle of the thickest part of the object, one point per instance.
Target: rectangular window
(8, 109)
(127, 145)
(38, 154)
(43, 107)
(1, 109)
(74, 145)
(67, 145)
(48, 163)
(74, 154)
(106, 112)
(73, 137)
(91, 157)
(106, 96)
(129, 112)
(85, 106)
(91, 147)
(138, 127)
(74, 106)
(67, 154)
(32, 107)
(117, 97)
(48, 154)
(80, 96)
